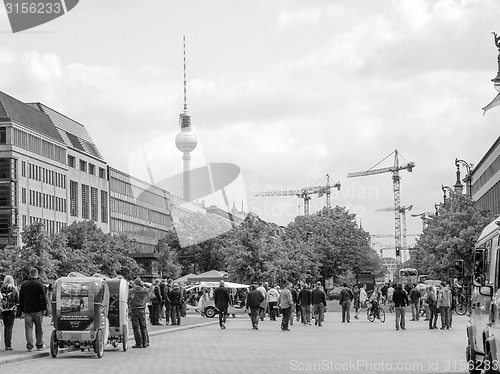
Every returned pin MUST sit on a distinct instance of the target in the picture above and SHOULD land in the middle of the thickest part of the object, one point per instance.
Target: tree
(449, 236)
(338, 244)
(167, 261)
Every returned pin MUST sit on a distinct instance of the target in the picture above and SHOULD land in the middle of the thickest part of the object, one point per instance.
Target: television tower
(186, 139)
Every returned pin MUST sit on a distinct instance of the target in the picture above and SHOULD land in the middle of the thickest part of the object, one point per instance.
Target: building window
(23, 195)
(24, 221)
(93, 204)
(73, 198)
(104, 206)
(71, 161)
(91, 169)
(83, 165)
(23, 168)
(102, 173)
(85, 201)
(3, 135)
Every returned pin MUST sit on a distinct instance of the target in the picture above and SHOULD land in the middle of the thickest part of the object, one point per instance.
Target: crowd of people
(166, 302)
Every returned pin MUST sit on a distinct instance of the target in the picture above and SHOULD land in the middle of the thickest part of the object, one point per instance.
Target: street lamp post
(467, 179)
(447, 189)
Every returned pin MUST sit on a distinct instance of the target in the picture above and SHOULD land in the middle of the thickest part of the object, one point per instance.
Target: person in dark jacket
(400, 299)
(318, 298)
(156, 303)
(175, 297)
(138, 297)
(33, 304)
(254, 299)
(304, 300)
(346, 297)
(221, 301)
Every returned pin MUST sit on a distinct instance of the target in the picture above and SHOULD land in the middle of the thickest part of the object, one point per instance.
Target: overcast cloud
(287, 90)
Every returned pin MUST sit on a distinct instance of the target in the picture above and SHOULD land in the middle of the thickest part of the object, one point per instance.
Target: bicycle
(462, 305)
(375, 311)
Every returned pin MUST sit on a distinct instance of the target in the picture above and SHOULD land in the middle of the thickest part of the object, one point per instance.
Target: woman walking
(10, 299)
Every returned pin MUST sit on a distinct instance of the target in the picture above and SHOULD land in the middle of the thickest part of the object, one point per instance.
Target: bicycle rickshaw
(80, 314)
(118, 312)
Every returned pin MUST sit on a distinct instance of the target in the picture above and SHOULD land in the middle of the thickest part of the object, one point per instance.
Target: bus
(407, 276)
(483, 330)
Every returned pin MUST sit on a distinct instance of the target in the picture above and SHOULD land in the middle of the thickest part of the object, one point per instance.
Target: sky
(287, 90)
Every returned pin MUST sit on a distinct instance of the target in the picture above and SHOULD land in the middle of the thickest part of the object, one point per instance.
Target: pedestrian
(431, 301)
(9, 301)
(175, 297)
(355, 292)
(295, 296)
(400, 299)
(286, 303)
(156, 303)
(272, 297)
(254, 299)
(166, 300)
(444, 306)
(263, 305)
(304, 299)
(318, 299)
(33, 304)
(221, 301)
(415, 303)
(138, 298)
(163, 284)
(390, 293)
(384, 293)
(346, 297)
(363, 300)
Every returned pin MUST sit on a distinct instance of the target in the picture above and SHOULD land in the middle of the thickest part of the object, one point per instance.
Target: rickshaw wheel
(210, 312)
(54, 349)
(124, 337)
(99, 343)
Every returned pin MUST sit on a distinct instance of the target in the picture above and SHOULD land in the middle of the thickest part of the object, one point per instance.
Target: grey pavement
(359, 347)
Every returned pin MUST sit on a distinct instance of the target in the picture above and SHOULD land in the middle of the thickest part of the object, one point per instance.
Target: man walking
(346, 297)
(33, 304)
(304, 300)
(444, 306)
(254, 298)
(400, 299)
(221, 301)
(263, 305)
(286, 303)
(138, 297)
(318, 297)
(272, 297)
(415, 303)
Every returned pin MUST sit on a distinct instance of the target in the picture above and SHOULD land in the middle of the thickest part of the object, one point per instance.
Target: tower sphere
(186, 141)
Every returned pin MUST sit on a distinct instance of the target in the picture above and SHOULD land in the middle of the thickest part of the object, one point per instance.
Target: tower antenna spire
(185, 78)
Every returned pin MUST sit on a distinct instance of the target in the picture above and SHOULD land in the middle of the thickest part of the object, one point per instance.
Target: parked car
(334, 293)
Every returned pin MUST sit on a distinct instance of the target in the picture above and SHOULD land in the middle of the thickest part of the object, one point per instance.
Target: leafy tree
(167, 261)
(449, 236)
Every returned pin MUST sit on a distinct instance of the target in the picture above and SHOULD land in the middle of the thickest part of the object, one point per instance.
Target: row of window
(44, 200)
(136, 229)
(34, 144)
(89, 202)
(83, 167)
(42, 174)
(135, 211)
(51, 226)
(123, 189)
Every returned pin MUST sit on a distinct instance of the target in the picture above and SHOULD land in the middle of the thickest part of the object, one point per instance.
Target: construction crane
(396, 180)
(402, 211)
(423, 216)
(305, 192)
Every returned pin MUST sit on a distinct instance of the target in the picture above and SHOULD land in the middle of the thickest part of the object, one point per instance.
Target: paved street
(360, 346)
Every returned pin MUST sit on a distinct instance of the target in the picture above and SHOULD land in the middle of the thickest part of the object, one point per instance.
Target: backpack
(8, 300)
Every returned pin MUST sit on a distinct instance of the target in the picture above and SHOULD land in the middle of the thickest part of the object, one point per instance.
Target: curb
(26, 356)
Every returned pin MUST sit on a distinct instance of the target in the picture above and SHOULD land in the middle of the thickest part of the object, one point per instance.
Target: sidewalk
(192, 320)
